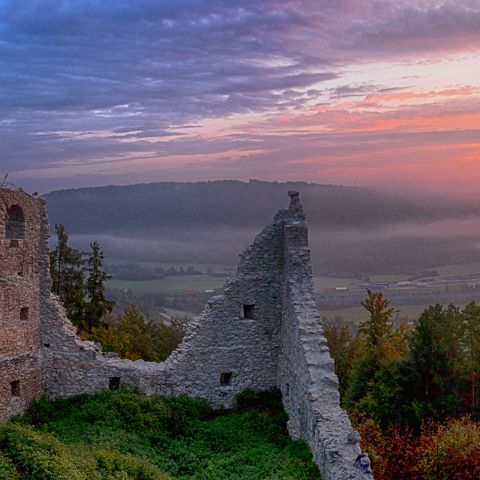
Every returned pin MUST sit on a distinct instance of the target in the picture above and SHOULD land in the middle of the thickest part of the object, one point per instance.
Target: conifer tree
(79, 280)
(97, 305)
(471, 348)
(66, 268)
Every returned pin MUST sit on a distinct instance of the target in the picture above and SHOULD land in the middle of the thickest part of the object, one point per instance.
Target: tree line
(413, 392)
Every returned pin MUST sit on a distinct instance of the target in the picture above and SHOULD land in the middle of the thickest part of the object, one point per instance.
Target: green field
(357, 314)
(460, 269)
(170, 284)
(208, 282)
(333, 282)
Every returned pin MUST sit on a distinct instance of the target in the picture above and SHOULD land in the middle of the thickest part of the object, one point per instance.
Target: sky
(356, 92)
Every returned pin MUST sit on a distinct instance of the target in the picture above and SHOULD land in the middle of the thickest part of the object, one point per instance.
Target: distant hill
(353, 230)
(142, 209)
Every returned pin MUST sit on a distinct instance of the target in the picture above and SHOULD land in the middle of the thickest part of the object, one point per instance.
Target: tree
(471, 349)
(381, 347)
(96, 305)
(132, 336)
(343, 347)
(378, 326)
(79, 281)
(67, 272)
(435, 356)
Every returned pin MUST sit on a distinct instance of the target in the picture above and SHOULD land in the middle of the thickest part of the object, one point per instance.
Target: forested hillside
(143, 209)
(353, 230)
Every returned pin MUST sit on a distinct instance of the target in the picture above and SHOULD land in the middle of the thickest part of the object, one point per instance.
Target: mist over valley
(354, 231)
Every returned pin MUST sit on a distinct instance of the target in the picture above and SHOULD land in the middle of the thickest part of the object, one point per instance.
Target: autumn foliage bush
(408, 390)
(451, 451)
(443, 451)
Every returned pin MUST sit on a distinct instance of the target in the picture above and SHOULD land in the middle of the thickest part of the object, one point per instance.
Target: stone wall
(263, 331)
(20, 234)
(306, 373)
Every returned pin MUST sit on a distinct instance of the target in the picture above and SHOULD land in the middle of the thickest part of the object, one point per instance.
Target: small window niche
(15, 225)
(24, 314)
(225, 379)
(114, 383)
(15, 388)
(247, 311)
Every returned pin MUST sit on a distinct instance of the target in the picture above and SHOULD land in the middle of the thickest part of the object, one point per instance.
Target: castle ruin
(264, 331)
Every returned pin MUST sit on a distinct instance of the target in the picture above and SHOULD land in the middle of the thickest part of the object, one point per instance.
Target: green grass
(460, 269)
(170, 284)
(390, 278)
(124, 435)
(320, 282)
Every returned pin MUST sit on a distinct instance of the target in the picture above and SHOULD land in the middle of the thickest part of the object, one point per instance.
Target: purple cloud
(129, 71)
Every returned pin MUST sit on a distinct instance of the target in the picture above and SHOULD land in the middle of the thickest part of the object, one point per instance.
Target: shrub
(451, 451)
(393, 452)
(125, 435)
(7, 469)
(266, 400)
(40, 455)
(443, 451)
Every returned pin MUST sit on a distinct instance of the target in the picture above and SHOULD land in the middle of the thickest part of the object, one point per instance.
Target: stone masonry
(264, 331)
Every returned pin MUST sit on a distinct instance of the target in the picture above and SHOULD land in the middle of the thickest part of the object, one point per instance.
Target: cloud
(104, 88)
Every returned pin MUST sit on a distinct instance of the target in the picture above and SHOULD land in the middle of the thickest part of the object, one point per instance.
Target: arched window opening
(15, 224)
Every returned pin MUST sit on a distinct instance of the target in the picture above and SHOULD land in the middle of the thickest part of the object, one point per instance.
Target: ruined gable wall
(306, 371)
(20, 377)
(237, 334)
(225, 350)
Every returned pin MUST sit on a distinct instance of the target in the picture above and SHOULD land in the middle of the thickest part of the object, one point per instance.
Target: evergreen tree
(96, 305)
(344, 348)
(436, 353)
(471, 348)
(79, 282)
(66, 268)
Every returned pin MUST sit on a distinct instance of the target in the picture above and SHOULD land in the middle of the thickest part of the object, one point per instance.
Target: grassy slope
(124, 435)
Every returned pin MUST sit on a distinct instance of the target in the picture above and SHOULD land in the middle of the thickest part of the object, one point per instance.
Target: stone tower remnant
(263, 331)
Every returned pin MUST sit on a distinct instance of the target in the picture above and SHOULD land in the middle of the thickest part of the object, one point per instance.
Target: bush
(451, 451)
(393, 452)
(40, 455)
(125, 435)
(443, 451)
(267, 400)
(7, 469)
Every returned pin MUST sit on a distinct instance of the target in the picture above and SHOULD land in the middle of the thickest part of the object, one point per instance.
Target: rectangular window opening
(24, 312)
(114, 383)
(225, 379)
(15, 387)
(248, 311)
